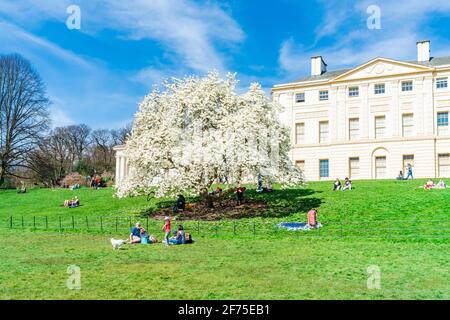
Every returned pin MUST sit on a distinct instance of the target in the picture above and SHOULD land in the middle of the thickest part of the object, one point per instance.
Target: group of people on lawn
(431, 185)
(337, 185)
(139, 234)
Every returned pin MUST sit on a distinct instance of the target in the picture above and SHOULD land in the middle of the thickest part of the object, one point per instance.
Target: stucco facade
(370, 121)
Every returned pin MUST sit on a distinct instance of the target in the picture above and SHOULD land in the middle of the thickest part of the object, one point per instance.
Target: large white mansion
(370, 121)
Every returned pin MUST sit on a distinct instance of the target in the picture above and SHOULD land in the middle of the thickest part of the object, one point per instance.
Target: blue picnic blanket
(296, 226)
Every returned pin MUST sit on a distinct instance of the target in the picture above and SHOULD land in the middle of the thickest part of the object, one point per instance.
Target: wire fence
(381, 229)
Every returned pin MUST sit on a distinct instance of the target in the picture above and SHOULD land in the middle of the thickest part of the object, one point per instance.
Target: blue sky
(98, 74)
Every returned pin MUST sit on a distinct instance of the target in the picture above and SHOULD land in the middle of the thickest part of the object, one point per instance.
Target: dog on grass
(116, 244)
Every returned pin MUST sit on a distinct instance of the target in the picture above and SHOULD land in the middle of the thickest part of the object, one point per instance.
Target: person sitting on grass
(312, 218)
(75, 203)
(144, 236)
(347, 184)
(429, 185)
(180, 203)
(135, 235)
(337, 184)
(179, 237)
(400, 175)
(240, 195)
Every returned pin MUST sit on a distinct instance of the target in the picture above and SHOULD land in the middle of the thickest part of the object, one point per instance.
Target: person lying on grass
(135, 235)
(429, 185)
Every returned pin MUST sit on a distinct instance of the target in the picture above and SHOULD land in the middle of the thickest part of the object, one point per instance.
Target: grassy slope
(370, 200)
(243, 267)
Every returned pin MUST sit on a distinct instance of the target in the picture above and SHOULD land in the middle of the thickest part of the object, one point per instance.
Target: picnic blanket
(297, 226)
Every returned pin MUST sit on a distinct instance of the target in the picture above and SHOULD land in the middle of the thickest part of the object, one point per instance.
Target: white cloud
(344, 40)
(59, 117)
(191, 31)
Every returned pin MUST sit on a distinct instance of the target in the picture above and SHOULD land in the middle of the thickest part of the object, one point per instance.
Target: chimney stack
(423, 51)
(318, 66)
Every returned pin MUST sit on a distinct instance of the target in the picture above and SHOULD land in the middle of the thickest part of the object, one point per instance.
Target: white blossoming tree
(197, 131)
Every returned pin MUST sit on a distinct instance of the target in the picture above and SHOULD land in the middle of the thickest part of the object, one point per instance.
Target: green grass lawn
(330, 263)
(215, 268)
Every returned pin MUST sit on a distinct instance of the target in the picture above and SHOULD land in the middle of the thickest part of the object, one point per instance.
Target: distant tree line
(29, 149)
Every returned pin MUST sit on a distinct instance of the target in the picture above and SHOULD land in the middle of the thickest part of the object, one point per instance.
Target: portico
(122, 168)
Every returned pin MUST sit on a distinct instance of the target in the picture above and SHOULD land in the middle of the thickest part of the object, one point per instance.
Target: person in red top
(166, 229)
(312, 218)
(97, 181)
(240, 195)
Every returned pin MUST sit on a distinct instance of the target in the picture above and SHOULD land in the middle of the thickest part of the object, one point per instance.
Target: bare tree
(121, 135)
(53, 159)
(102, 154)
(79, 139)
(24, 116)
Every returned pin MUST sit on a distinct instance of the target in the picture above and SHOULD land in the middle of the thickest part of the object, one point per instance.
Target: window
(380, 167)
(442, 122)
(353, 129)
(407, 86)
(380, 88)
(299, 133)
(444, 165)
(353, 168)
(323, 131)
(300, 97)
(441, 83)
(323, 95)
(408, 125)
(323, 166)
(380, 127)
(300, 164)
(353, 91)
(407, 159)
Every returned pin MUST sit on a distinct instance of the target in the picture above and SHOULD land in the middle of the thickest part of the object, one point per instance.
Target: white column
(117, 168)
(122, 168)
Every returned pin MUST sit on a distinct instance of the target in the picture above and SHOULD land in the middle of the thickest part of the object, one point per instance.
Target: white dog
(117, 243)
